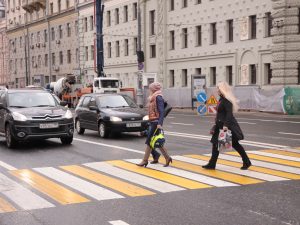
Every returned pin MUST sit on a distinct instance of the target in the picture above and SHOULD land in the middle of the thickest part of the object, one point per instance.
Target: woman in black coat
(225, 120)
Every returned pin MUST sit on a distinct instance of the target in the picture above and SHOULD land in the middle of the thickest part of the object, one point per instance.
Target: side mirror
(63, 103)
(93, 108)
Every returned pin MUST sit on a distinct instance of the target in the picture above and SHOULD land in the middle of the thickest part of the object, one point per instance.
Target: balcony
(31, 5)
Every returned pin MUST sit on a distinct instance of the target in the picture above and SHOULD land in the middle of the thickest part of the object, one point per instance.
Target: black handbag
(167, 109)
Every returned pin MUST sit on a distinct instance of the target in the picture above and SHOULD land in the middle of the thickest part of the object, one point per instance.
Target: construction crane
(98, 17)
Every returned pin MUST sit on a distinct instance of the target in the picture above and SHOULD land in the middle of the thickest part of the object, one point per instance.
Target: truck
(68, 90)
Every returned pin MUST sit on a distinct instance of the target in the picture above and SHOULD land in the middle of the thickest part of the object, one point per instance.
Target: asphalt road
(90, 183)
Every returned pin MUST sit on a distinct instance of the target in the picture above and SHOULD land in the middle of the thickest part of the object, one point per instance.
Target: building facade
(248, 43)
(4, 78)
(42, 40)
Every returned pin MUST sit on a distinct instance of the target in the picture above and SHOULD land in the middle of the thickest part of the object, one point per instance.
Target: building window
(213, 33)
(51, 8)
(152, 51)
(172, 78)
(31, 38)
(172, 5)
(76, 27)
(77, 55)
(117, 18)
(268, 24)
(213, 76)
(229, 26)
(109, 49)
(125, 13)
(46, 60)
(86, 53)
(253, 27)
(52, 34)
(229, 74)
(53, 78)
(61, 58)
(45, 35)
(108, 18)
(67, 4)
(117, 48)
(198, 35)
(299, 20)
(184, 3)
(59, 5)
(184, 38)
(69, 29)
(60, 32)
(69, 56)
(299, 71)
(134, 10)
(172, 40)
(53, 59)
(152, 22)
(85, 24)
(253, 74)
(126, 47)
(92, 52)
(91, 23)
(268, 72)
(184, 77)
(135, 45)
(198, 71)
(21, 42)
(38, 37)
(198, 2)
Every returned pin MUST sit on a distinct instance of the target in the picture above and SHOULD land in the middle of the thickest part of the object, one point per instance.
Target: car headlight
(146, 118)
(68, 115)
(19, 117)
(115, 119)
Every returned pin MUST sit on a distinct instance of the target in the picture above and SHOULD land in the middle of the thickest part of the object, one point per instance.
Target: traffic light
(140, 56)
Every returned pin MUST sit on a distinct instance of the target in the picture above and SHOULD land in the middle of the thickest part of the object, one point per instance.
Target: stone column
(286, 42)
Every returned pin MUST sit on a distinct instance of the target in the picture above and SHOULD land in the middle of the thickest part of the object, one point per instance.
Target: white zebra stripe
(78, 184)
(134, 178)
(188, 175)
(273, 166)
(23, 197)
(231, 169)
(275, 155)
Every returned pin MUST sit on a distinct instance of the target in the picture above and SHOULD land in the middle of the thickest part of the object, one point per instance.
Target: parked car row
(31, 114)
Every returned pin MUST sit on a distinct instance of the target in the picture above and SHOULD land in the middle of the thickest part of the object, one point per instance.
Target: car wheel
(66, 140)
(78, 128)
(10, 140)
(103, 131)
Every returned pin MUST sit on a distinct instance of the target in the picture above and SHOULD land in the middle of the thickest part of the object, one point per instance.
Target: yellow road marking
(49, 188)
(253, 168)
(269, 159)
(179, 181)
(115, 184)
(6, 207)
(281, 152)
(238, 179)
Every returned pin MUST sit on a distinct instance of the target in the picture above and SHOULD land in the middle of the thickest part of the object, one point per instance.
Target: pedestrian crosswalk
(46, 187)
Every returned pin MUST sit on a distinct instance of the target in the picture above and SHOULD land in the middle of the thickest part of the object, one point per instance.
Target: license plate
(48, 125)
(130, 125)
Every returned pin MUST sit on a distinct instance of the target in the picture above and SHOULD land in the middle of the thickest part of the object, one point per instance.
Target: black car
(109, 113)
(29, 114)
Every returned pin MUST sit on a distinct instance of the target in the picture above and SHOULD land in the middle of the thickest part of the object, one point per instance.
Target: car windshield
(31, 99)
(116, 101)
(110, 83)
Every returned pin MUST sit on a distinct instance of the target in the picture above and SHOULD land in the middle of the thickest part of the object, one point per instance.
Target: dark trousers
(155, 154)
(236, 145)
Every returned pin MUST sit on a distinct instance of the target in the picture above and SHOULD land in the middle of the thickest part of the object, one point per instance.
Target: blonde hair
(226, 91)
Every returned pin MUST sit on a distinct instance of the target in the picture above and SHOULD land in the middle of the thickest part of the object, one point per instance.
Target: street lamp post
(140, 56)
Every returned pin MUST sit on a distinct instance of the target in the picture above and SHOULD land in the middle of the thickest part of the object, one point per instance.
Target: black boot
(246, 165)
(155, 156)
(213, 160)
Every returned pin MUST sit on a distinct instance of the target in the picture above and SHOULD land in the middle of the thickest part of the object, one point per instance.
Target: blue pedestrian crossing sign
(202, 109)
(202, 97)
